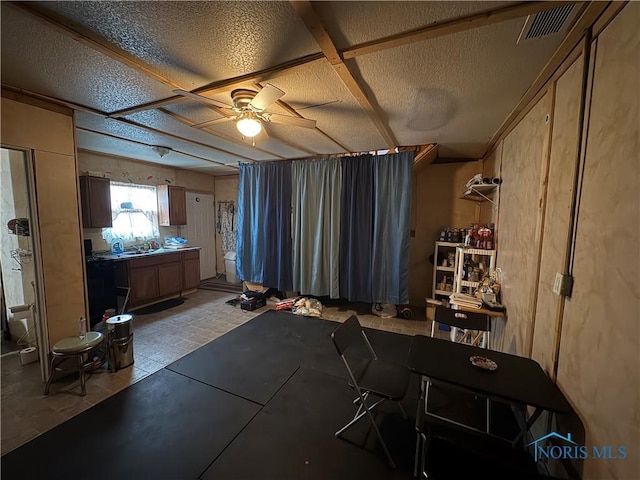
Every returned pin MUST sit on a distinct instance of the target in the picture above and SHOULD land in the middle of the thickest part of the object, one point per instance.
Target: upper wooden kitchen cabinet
(95, 194)
(172, 205)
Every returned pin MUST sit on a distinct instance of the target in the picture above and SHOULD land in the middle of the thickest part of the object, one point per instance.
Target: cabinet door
(169, 278)
(177, 205)
(172, 205)
(95, 194)
(144, 284)
(191, 272)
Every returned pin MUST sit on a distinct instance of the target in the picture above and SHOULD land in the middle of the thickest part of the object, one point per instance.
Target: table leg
(488, 407)
(528, 425)
(419, 420)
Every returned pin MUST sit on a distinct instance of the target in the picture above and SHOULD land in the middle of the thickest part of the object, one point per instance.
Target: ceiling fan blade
(213, 122)
(265, 97)
(263, 135)
(293, 121)
(221, 107)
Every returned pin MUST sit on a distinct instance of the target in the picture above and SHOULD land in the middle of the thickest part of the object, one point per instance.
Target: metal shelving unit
(459, 284)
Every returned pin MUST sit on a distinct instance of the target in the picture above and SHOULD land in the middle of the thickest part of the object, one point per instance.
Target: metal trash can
(120, 341)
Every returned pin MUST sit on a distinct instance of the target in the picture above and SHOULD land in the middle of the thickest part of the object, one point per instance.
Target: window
(134, 211)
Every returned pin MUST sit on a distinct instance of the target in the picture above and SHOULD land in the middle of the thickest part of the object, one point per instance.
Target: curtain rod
(411, 148)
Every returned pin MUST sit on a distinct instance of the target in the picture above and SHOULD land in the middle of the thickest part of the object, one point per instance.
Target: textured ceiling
(454, 90)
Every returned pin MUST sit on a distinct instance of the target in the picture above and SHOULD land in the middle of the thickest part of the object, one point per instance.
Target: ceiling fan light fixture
(249, 126)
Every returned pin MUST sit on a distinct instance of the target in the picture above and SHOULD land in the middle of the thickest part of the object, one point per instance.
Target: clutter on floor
(308, 307)
(384, 310)
(251, 301)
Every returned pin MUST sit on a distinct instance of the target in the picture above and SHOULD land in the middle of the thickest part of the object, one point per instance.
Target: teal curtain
(316, 190)
(391, 227)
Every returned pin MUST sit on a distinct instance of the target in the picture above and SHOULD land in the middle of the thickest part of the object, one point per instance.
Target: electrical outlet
(562, 284)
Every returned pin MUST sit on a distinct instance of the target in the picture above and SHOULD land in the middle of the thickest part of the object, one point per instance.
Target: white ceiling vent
(548, 22)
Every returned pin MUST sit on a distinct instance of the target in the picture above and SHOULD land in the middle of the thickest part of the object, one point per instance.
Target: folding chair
(476, 326)
(377, 378)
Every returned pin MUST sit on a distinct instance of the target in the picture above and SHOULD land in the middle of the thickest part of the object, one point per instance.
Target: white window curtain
(134, 211)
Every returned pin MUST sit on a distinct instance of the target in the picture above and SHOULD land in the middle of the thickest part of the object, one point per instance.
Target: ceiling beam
(289, 109)
(228, 84)
(82, 108)
(590, 15)
(116, 137)
(57, 101)
(425, 157)
(314, 24)
(447, 27)
(92, 40)
(98, 43)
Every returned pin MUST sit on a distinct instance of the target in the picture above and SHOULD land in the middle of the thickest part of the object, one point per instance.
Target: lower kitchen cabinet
(191, 269)
(154, 278)
(143, 282)
(170, 277)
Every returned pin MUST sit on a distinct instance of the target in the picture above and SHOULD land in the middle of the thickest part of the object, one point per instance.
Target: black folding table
(517, 380)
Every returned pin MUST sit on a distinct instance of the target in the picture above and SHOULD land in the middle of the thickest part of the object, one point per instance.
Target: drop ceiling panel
(102, 144)
(351, 23)
(194, 43)
(38, 58)
(462, 90)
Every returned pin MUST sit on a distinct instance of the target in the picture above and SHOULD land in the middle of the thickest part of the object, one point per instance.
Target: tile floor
(159, 339)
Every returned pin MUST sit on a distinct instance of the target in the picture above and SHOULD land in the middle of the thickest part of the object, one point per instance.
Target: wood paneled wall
(599, 357)
(590, 342)
(562, 165)
(49, 135)
(524, 152)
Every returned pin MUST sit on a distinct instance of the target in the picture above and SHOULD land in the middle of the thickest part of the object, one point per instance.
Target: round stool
(73, 347)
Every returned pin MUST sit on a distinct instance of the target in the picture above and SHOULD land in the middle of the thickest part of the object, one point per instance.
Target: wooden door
(169, 278)
(201, 231)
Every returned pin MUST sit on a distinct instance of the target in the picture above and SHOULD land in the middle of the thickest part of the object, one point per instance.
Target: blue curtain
(277, 226)
(391, 226)
(356, 228)
(263, 250)
(316, 186)
(250, 240)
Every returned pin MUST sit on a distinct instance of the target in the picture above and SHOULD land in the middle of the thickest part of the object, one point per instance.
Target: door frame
(39, 308)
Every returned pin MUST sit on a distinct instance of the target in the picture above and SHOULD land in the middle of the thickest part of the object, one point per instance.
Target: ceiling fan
(248, 110)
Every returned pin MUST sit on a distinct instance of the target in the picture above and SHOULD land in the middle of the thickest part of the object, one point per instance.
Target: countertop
(129, 255)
